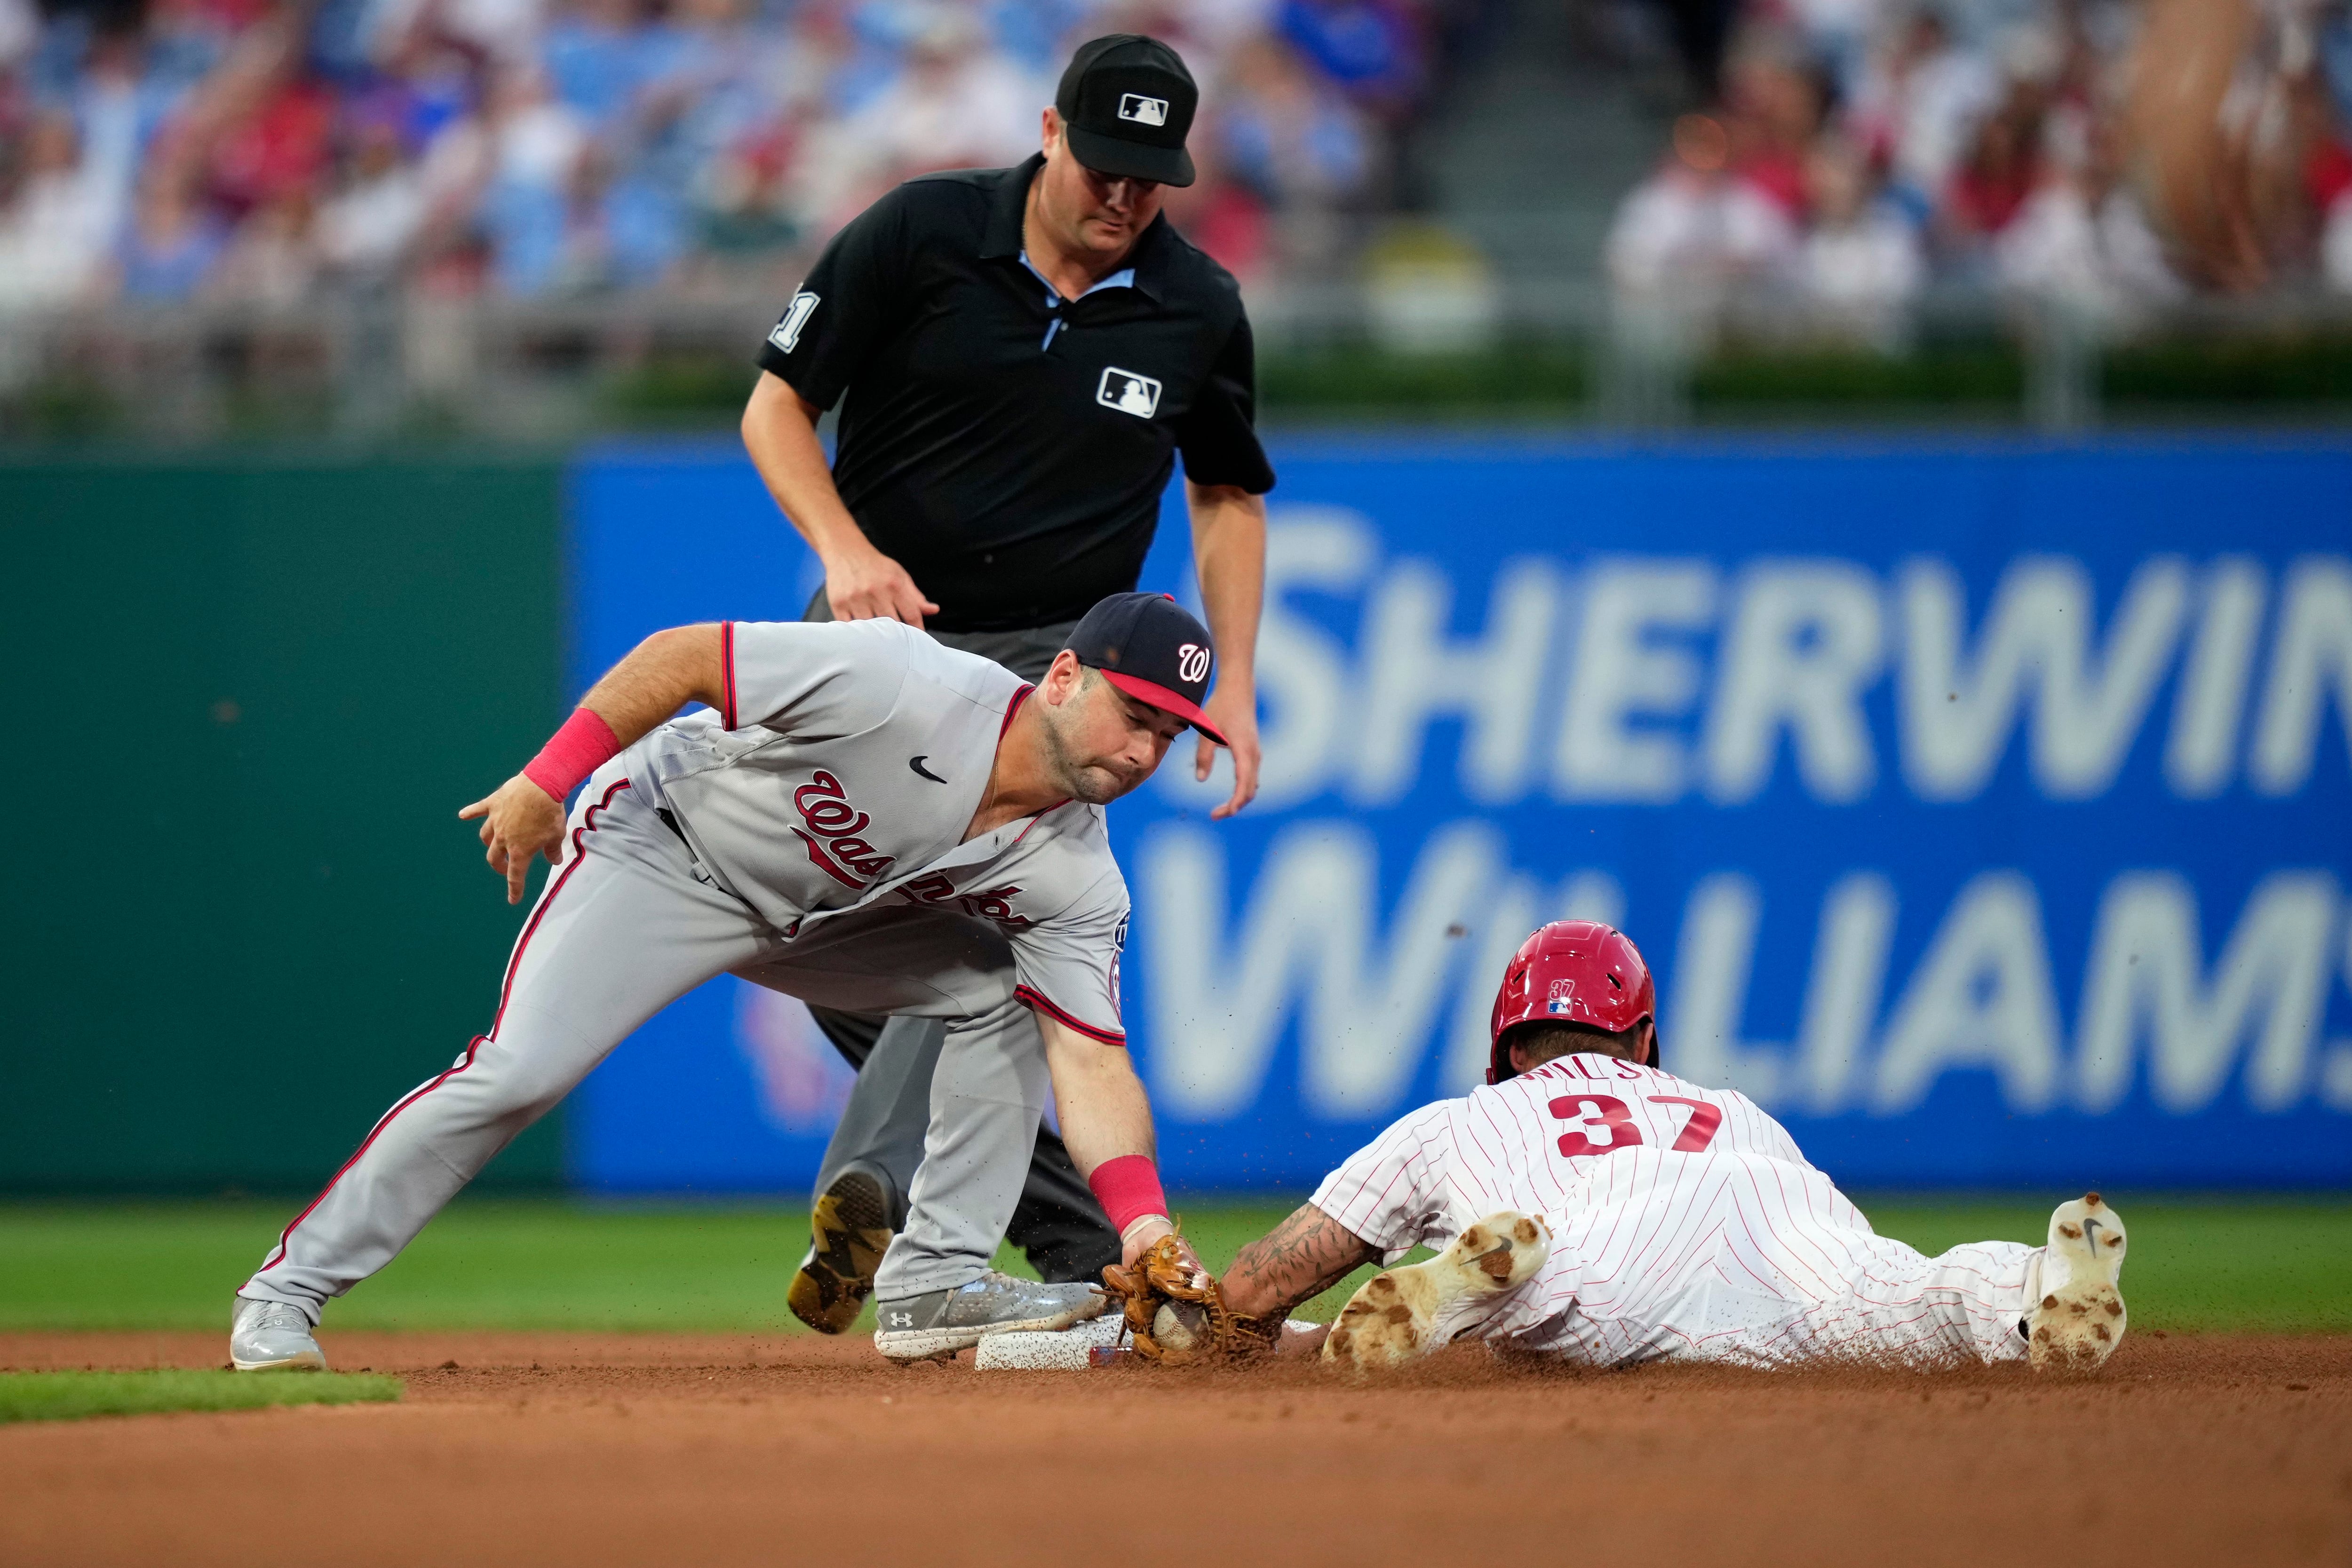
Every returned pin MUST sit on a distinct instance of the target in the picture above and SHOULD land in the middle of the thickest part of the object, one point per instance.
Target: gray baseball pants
(1059, 1223)
(626, 925)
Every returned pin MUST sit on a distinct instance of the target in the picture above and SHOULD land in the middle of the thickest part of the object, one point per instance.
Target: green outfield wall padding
(241, 916)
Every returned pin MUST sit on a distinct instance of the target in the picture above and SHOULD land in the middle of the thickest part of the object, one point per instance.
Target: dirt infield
(582, 1449)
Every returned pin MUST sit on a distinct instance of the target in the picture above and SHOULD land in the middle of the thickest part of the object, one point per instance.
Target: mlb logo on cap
(1129, 393)
(1127, 103)
(1562, 1000)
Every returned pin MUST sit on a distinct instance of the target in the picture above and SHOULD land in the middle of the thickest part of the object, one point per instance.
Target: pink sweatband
(1128, 1190)
(584, 744)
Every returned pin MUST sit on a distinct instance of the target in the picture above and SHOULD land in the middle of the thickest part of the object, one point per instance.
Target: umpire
(1018, 355)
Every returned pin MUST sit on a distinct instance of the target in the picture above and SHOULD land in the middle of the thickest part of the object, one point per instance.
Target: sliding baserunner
(1594, 1207)
(867, 820)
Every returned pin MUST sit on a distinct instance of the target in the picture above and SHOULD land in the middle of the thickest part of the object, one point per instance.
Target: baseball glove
(1176, 1313)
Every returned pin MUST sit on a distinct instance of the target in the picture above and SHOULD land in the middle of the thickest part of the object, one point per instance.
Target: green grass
(2267, 1266)
(71, 1396)
(2273, 1265)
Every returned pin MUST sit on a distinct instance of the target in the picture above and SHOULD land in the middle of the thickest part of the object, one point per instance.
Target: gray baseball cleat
(940, 1323)
(271, 1336)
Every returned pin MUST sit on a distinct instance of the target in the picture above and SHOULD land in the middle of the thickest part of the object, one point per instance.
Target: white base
(1054, 1351)
(1066, 1351)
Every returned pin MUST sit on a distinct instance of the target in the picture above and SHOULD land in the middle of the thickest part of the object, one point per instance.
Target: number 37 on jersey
(1603, 1124)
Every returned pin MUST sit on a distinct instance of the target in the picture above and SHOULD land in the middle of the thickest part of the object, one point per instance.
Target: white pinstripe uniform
(1685, 1225)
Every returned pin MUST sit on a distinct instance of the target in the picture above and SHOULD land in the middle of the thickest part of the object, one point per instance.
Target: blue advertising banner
(1985, 811)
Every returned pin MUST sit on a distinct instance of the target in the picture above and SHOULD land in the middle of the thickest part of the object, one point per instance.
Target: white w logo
(1192, 664)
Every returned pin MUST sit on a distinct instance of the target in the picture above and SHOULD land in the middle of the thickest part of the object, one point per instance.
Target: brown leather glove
(1175, 1313)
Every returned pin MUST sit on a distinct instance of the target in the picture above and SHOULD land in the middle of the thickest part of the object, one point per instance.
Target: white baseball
(1174, 1329)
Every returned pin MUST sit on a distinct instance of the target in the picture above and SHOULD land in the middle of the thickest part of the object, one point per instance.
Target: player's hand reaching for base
(519, 819)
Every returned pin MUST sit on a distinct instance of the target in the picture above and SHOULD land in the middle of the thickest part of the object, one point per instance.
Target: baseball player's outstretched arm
(1105, 1114)
(1303, 1256)
(524, 816)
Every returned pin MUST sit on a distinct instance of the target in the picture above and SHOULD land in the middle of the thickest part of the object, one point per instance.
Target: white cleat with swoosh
(2077, 1317)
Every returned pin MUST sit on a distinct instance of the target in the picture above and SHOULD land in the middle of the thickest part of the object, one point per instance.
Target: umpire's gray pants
(629, 923)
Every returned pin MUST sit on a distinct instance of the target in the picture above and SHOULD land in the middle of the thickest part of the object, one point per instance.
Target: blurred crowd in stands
(2106, 157)
(275, 151)
(1845, 159)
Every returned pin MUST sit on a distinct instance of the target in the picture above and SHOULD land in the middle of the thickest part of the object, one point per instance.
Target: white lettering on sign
(2145, 981)
(2200, 754)
(1414, 673)
(1303, 671)
(2311, 663)
(1802, 647)
(1710, 992)
(1513, 907)
(1981, 997)
(1629, 676)
(1676, 675)
(1408, 683)
(1221, 999)
(1959, 710)
(1373, 984)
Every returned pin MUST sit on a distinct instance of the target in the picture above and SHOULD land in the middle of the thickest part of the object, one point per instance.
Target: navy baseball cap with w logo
(1149, 647)
(1125, 103)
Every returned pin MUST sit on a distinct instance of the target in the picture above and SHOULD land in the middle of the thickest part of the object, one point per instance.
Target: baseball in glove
(1175, 1313)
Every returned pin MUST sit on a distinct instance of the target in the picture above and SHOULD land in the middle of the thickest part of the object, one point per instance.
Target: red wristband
(584, 744)
(1128, 1190)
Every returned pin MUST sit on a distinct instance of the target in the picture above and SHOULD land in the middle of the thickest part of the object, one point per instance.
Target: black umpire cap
(1125, 103)
(1149, 647)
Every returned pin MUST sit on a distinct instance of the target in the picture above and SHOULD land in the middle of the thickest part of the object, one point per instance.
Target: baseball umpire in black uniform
(1019, 354)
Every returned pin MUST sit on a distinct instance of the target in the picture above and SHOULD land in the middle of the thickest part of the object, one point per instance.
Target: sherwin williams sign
(1987, 813)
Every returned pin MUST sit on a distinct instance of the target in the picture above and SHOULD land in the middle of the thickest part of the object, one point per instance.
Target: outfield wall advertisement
(1986, 812)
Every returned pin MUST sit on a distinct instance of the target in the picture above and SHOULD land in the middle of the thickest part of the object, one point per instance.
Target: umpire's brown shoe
(849, 1228)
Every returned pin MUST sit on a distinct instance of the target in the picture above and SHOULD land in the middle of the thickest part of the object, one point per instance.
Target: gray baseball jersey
(806, 837)
(841, 775)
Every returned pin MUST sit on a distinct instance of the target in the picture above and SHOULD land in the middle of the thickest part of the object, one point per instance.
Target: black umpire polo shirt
(1008, 448)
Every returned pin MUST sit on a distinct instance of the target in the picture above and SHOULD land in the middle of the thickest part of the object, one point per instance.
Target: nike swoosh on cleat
(917, 764)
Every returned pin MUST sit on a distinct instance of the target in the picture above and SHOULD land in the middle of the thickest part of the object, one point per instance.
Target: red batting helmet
(1573, 971)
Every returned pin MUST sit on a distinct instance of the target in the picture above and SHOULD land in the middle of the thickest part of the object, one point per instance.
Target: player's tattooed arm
(1301, 1257)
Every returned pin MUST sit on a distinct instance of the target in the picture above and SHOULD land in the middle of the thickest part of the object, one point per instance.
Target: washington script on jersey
(832, 834)
(1969, 802)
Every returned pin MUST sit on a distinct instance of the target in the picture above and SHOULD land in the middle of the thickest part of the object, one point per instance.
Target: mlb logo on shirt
(1129, 393)
(1143, 110)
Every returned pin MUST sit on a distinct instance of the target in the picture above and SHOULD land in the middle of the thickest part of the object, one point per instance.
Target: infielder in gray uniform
(865, 820)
